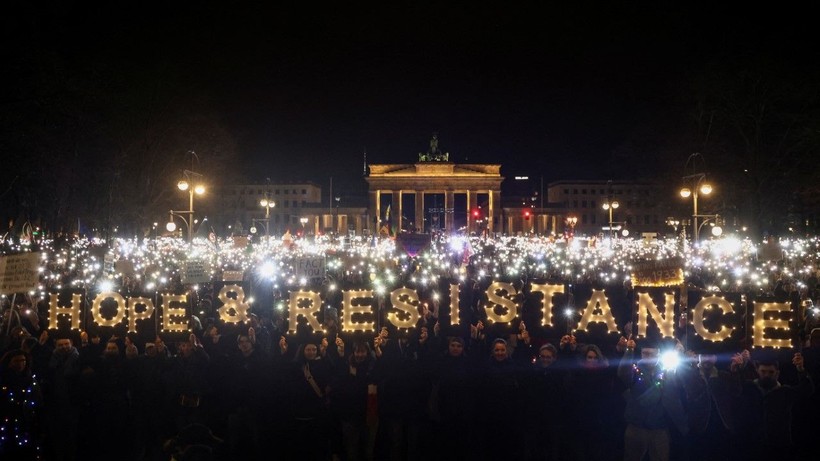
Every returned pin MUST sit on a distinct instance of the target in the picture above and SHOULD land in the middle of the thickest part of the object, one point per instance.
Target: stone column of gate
(495, 209)
(373, 222)
(358, 221)
(448, 211)
(472, 204)
(398, 207)
(419, 210)
(394, 210)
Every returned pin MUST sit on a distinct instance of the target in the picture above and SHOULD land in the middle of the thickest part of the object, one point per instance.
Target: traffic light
(527, 215)
(476, 214)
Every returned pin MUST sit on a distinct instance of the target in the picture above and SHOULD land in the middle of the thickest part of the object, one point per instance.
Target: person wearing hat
(653, 404)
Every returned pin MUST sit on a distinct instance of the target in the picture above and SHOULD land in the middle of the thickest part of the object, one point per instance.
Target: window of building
(304, 191)
(575, 203)
(574, 191)
(583, 219)
(286, 203)
(583, 191)
(566, 191)
(593, 219)
(287, 191)
(592, 204)
(583, 203)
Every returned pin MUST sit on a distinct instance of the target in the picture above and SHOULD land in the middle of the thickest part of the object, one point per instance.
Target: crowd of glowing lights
(724, 264)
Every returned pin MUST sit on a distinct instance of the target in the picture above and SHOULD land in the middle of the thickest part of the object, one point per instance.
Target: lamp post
(714, 221)
(698, 179)
(267, 204)
(609, 206)
(191, 182)
(339, 199)
(304, 221)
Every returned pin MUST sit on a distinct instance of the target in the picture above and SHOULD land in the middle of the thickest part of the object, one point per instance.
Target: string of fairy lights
(139, 266)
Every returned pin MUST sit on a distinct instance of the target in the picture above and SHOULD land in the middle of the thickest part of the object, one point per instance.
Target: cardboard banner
(195, 271)
(309, 268)
(664, 273)
(19, 273)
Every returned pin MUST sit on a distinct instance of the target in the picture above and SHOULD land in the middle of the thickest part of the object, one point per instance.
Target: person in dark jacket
(546, 406)
(590, 385)
(351, 389)
(653, 405)
(187, 388)
(403, 393)
(20, 405)
(710, 409)
(306, 380)
(765, 406)
(500, 399)
(453, 399)
(61, 402)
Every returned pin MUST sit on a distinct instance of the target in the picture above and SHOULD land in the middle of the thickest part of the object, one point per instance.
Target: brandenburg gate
(435, 175)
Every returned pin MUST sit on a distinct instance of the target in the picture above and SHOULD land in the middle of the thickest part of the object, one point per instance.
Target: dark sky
(547, 89)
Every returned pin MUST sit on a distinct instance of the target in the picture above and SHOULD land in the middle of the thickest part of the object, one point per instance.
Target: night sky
(586, 90)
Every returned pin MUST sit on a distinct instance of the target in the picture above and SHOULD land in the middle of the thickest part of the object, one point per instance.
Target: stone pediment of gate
(435, 169)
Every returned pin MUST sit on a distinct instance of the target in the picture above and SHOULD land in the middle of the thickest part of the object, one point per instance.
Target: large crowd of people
(256, 395)
(253, 391)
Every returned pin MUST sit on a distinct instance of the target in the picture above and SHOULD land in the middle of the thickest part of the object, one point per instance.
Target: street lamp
(715, 222)
(267, 204)
(698, 179)
(609, 206)
(191, 182)
(304, 221)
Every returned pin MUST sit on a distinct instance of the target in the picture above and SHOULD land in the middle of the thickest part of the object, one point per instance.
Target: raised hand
(525, 336)
(423, 335)
(797, 360)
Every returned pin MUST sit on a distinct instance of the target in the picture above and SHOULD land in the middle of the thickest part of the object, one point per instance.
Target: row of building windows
(255, 205)
(593, 204)
(603, 192)
(263, 191)
(647, 219)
